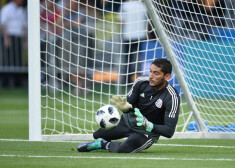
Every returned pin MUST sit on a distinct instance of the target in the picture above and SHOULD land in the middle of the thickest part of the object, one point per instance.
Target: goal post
(34, 69)
(81, 53)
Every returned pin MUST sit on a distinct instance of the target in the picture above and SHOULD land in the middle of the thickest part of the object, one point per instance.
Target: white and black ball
(107, 117)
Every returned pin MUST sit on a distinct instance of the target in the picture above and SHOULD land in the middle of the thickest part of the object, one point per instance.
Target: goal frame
(34, 71)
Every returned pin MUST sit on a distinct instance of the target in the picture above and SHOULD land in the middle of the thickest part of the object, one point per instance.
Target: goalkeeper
(150, 110)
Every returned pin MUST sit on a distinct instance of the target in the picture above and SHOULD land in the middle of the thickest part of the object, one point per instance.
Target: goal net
(93, 50)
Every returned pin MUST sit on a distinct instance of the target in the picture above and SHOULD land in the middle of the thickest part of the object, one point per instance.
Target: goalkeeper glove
(121, 103)
(142, 121)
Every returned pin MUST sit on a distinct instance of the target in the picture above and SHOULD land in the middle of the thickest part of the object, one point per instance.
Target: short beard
(159, 85)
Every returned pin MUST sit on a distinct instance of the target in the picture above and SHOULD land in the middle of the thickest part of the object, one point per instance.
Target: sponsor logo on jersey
(142, 95)
(158, 103)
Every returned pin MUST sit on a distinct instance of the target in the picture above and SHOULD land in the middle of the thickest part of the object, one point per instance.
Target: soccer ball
(107, 117)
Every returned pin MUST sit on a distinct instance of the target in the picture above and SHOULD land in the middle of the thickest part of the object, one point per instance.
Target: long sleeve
(170, 117)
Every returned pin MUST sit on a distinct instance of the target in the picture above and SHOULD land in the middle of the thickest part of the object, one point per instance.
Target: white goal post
(34, 84)
(83, 52)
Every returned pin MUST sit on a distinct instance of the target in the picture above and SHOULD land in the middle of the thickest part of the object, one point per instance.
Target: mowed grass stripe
(124, 158)
(173, 145)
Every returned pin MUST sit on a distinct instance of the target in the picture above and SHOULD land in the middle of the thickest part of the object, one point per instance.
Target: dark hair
(164, 64)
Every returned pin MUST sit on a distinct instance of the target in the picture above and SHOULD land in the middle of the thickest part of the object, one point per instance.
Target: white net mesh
(92, 50)
(201, 34)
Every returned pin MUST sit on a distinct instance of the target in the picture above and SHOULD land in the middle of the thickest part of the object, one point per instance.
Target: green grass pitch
(17, 151)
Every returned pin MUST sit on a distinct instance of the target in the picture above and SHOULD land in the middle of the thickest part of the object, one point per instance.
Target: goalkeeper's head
(160, 73)
(164, 64)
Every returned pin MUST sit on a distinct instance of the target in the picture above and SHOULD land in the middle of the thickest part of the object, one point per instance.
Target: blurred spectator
(230, 14)
(87, 28)
(49, 18)
(60, 4)
(108, 6)
(200, 15)
(49, 30)
(134, 25)
(90, 25)
(13, 23)
(73, 41)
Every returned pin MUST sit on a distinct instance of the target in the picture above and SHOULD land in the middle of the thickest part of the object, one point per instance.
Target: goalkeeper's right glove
(142, 121)
(121, 103)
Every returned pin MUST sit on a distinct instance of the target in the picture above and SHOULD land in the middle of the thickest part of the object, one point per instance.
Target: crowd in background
(65, 25)
(13, 43)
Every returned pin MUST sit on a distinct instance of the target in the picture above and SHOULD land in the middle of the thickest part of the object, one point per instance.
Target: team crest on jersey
(158, 103)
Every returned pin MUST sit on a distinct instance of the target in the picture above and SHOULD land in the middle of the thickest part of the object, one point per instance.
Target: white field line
(124, 158)
(199, 146)
(175, 145)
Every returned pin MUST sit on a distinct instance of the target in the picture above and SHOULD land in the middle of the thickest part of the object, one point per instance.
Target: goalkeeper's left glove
(142, 121)
(121, 103)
